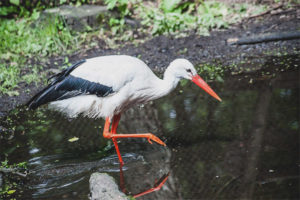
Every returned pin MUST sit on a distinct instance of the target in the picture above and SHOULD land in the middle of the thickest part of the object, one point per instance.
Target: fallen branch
(268, 37)
(13, 171)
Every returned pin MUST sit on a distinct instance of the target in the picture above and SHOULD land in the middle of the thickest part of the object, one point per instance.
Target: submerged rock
(103, 187)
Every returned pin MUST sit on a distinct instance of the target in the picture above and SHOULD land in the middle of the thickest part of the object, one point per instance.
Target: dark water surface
(247, 146)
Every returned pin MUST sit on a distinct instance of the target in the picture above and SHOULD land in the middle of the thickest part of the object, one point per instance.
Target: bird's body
(126, 81)
(108, 85)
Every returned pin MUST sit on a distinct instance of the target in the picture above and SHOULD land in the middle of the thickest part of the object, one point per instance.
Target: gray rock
(79, 18)
(103, 187)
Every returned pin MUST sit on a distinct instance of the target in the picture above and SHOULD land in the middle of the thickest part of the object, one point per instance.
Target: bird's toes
(156, 139)
(149, 140)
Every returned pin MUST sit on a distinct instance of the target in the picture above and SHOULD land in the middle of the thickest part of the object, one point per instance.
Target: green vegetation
(27, 41)
(8, 188)
(122, 6)
(171, 17)
(212, 72)
(23, 8)
(21, 165)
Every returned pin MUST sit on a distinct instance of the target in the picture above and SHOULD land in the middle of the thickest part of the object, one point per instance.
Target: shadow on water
(245, 147)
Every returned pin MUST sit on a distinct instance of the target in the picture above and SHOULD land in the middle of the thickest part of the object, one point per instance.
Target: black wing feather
(64, 86)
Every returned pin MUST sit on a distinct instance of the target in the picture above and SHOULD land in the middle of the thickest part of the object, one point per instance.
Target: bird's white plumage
(131, 80)
(113, 71)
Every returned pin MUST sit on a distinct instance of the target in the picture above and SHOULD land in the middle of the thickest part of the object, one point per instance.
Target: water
(245, 147)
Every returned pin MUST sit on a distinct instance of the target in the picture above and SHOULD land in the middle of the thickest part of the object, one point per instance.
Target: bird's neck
(167, 84)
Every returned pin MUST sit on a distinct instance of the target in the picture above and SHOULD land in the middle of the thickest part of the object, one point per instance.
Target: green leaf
(11, 191)
(66, 60)
(22, 165)
(183, 82)
(4, 163)
(62, 1)
(15, 2)
(219, 79)
(35, 15)
(110, 4)
(169, 5)
(5, 10)
(73, 139)
(13, 93)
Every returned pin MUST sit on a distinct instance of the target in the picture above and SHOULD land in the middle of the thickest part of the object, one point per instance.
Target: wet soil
(160, 51)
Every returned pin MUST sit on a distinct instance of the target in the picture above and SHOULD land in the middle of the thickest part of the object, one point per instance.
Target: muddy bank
(159, 51)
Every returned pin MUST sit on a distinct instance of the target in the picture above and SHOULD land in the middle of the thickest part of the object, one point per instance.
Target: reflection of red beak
(201, 83)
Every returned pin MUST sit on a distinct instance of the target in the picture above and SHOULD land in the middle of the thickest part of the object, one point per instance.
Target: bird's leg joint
(107, 135)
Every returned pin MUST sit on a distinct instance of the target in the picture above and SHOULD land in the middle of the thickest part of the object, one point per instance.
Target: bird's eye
(189, 70)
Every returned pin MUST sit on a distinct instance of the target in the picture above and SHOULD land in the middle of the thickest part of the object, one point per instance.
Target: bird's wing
(64, 85)
(113, 71)
(99, 76)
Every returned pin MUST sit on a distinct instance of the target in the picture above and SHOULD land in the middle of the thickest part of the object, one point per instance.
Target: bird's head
(184, 69)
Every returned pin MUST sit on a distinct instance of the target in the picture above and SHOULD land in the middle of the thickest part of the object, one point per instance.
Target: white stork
(108, 85)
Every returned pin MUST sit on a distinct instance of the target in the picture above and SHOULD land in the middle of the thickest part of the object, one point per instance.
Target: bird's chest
(134, 95)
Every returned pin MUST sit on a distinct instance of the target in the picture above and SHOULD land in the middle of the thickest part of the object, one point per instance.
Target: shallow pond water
(247, 146)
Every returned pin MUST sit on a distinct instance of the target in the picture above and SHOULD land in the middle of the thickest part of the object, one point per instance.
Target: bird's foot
(150, 137)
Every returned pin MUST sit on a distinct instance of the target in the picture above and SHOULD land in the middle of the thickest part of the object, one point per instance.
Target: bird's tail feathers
(49, 93)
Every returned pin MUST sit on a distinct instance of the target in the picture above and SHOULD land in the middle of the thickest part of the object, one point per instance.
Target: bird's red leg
(115, 123)
(108, 134)
(114, 126)
(156, 187)
(118, 151)
(114, 135)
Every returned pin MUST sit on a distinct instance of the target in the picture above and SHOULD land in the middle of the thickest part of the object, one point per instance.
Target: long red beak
(201, 83)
